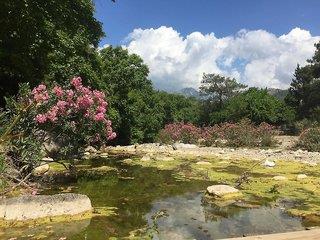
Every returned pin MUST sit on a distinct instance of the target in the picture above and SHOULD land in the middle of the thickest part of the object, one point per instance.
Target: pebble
(301, 176)
(268, 163)
(279, 178)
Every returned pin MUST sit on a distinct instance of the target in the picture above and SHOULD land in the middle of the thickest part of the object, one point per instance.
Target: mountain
(190, 92)
(278, 93)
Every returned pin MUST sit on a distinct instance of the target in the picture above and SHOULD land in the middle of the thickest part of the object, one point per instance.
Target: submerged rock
(223, 191)
(43, 206)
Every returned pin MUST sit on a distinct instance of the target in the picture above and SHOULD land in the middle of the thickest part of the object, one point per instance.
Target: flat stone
(301, 176)
(90, 149)
(222, 191)
(279, 178)
(42, 206)
(269, 163)
(203, 163)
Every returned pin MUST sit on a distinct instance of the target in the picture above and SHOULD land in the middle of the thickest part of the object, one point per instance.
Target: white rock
(268, 163)
(40, 206)
(86, 153)
(104, 155)
(146, 158)
(38, 171)
(203, 163)
(279, 178)
(181, 146)
(301, 176)
(47, 159)
(221, 190)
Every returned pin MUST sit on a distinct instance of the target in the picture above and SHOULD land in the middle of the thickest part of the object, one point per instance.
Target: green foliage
(45, 40)
(310, 140)
(218, 89)
(304, 91)
(257, 105)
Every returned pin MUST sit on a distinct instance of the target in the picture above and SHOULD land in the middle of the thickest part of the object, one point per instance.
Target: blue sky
(175, 32)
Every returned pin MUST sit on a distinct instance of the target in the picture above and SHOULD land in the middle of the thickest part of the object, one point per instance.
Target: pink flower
(113, 135)
(101, 109)
(98, 94)
(62, 105)
(77, 82)
(84, 101)
(41, 118)
(52, 114)
(58, 91)
(99, 117)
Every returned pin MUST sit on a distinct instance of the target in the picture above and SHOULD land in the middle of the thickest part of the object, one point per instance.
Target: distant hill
(190, 92)
(278, 93)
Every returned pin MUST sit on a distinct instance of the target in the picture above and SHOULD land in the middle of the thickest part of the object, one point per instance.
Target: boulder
(223, 191)
(39, 171)
(104, 155)
(43, 206)
(183, 146)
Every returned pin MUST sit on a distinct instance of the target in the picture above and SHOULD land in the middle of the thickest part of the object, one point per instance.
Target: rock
(203, 163)
(222, 191)
(182, 146)
(39, 171)
(42, 206)
(47, 159)
(90, 149)
(146, 158)
(104, 155)
(127, 161)
(301, 176)
(268, 163)
(279, 178)
(86, 153)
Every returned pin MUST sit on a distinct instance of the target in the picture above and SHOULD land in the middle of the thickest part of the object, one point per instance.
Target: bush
(310, 140)
(242, 134)
(73, 116)
(179, 132)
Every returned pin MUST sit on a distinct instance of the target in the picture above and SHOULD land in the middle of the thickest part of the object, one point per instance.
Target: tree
(257, 105)
(304, 91)
(217, 88)
(125, 79)
(46, 40)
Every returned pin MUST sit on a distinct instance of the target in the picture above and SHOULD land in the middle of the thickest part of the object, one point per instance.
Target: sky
(258, 42)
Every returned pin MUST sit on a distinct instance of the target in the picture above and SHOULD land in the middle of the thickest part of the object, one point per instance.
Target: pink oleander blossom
(41, 118)
(58, 91)
(99, 117)
(76, 82)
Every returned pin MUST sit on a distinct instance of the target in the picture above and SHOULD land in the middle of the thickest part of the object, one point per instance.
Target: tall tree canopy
(304, 91)
(46, 40)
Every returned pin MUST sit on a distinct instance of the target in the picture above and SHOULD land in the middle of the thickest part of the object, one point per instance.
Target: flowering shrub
(186, 133)
(310, 140)
(242, 134)
(71, 116)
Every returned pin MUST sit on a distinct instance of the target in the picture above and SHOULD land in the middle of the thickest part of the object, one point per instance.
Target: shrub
(310, 139)
(242, 134)
(72, 116)
(174, 132)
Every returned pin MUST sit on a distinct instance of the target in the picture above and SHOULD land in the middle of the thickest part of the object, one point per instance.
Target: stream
(157, 203)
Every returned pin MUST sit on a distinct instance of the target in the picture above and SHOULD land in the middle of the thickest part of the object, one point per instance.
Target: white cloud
(257, 58)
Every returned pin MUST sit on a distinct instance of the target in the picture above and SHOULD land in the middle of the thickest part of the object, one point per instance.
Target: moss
(39, 221)
(260, 183)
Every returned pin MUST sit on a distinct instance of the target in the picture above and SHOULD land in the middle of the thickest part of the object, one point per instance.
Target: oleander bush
(71, 116)
(310, 140)
(241, 134)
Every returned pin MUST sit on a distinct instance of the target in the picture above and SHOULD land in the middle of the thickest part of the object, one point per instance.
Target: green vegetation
(310, 140)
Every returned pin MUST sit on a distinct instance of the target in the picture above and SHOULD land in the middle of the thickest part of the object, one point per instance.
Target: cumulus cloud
(257, 58)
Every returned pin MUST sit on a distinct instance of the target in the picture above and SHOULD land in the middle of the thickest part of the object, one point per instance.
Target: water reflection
(189, 218)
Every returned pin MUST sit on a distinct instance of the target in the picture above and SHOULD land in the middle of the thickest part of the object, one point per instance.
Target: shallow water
(158, 203)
